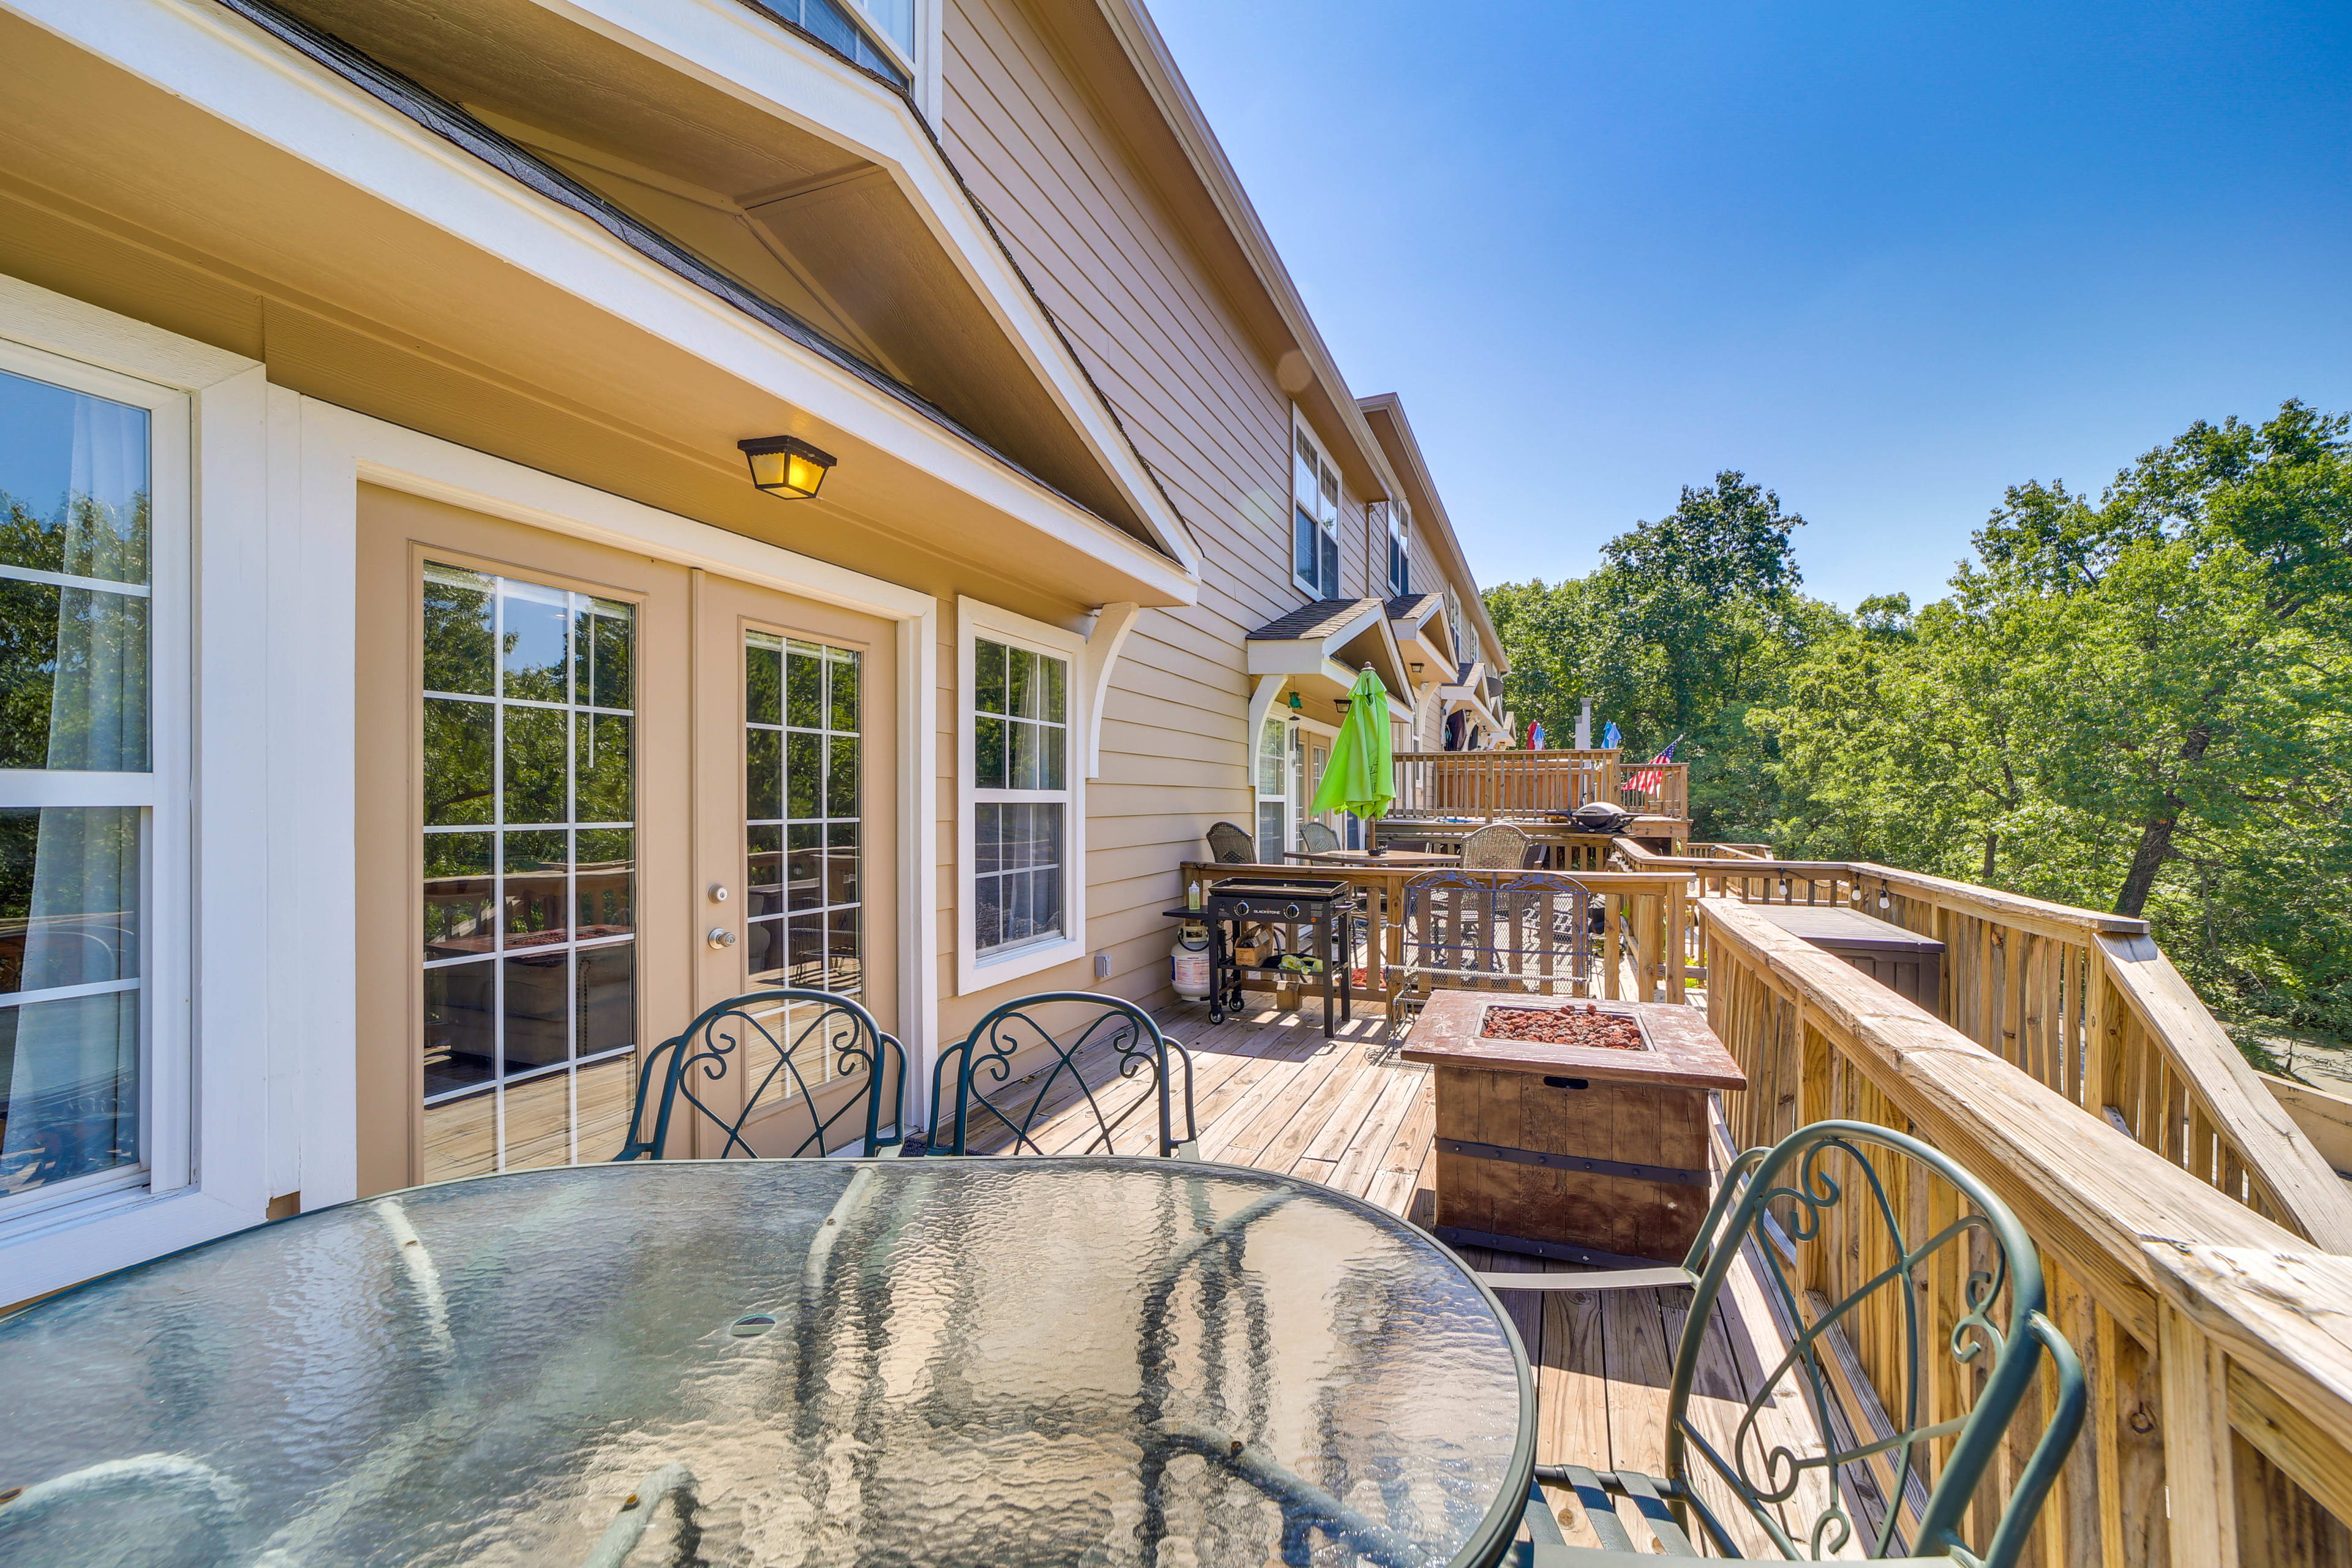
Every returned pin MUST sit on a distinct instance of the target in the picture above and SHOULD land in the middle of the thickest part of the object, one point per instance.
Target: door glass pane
(75, 543)
(530, 888)
(800, 844)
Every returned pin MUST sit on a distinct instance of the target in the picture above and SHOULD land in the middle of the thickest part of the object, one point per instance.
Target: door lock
(718, 892)
(722, 938)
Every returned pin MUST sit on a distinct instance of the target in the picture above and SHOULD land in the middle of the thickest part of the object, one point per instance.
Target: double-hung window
(1400, 549)
(93, 499)
(1314, 517)
(1022, 897)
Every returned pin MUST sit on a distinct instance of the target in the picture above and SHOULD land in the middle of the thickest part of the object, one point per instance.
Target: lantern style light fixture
(786, 466)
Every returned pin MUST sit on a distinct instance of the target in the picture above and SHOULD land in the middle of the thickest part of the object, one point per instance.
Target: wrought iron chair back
(788, 1040)
(1501, 931)
(1317, 838)
(1232, 846)
(1497, 846)
(976, 1096)
(1905, 1489)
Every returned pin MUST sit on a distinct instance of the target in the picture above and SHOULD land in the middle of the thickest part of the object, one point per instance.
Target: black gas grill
(1312, 911)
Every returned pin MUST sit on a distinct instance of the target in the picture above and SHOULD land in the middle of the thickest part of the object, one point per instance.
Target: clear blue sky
(1887, 259)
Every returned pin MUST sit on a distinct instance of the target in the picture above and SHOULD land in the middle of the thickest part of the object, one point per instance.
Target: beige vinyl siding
(1201, 403)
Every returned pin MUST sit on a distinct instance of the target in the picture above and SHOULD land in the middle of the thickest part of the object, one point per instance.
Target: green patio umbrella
(1360, 779)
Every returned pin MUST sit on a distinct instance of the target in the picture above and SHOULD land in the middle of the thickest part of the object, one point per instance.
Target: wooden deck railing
(2080, 1000)
(2217, 1343)
(1647, 915)
(1500, 785)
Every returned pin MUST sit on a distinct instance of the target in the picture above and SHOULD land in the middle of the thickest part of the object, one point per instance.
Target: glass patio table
(800, 1364)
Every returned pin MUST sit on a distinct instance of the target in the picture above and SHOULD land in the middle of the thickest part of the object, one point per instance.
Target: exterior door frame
(341, 450)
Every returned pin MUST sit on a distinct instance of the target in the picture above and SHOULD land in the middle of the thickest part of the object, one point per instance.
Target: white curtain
(73, 1090)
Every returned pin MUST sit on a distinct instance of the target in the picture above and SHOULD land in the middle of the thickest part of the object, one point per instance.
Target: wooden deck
(1271, 1092)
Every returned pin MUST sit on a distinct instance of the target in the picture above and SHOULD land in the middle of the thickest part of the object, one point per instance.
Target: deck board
(1272, 1092)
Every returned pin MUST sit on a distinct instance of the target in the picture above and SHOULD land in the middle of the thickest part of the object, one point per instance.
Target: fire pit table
(1593, 1148)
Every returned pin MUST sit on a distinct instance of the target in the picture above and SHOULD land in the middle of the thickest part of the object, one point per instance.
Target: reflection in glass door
(802, 857)
(529, 893)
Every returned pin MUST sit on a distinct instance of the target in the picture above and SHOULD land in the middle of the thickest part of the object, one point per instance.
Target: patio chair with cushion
(1232, 846)
(777, 1054)
(1494, 930)
(1930, 1270)
(1497, 846)
(1056, 1065)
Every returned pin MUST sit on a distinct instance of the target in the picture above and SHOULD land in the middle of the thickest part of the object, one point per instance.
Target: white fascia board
(727, 46)
(211, 58)
(1291, 655)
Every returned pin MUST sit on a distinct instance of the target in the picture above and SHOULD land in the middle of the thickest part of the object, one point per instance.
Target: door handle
(721, 938)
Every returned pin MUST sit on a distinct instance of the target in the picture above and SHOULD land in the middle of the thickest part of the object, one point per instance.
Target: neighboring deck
(1271, 1092)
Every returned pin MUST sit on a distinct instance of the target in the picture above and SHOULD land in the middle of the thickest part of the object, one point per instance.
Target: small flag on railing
(1648, 780)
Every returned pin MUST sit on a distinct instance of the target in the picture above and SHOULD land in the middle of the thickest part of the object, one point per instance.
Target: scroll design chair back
(1036, 1057)
(1495, 930)
(1316, 838)
(774, 1051)
(1232, 846)
(1861, 1234)
(1497, 846)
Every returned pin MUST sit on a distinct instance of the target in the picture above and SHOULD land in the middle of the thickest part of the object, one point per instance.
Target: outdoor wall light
(786, 466)
(1419, 667)
(1341, 703)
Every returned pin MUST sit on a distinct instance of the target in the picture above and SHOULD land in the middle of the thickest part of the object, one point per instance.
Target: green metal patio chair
(1777, 1197)
(975, 1078)
(790, 1040)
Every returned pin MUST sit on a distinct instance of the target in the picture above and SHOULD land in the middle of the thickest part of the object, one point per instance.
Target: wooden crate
(1576, 1152)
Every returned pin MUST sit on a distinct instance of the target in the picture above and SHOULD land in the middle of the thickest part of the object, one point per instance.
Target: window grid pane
(76, 516)
(1021, 734)
(803, 847)
(530, 891)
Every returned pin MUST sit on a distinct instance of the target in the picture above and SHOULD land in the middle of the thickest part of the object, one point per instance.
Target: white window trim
(207, 1162)
(162, 792)
(1400, 547)
(974, 972)
(1300, 430)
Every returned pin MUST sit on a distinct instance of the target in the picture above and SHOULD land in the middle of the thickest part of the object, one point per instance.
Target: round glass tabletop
(797, 1364)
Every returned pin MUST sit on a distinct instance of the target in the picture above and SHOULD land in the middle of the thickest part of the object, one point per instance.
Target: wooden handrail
(1500, 785)
(2085, 1003)
(2199, 1323)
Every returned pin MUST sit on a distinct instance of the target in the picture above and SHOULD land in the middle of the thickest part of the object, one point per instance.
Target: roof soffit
(281, 174)
(839, 169)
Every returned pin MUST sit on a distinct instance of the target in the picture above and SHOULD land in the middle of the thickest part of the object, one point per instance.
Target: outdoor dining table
(998, 1362)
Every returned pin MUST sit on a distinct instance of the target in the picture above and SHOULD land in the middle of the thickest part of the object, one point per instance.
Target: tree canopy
(2138, 700)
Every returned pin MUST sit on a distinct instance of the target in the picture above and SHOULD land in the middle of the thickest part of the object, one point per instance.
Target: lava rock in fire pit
(1571, 1025)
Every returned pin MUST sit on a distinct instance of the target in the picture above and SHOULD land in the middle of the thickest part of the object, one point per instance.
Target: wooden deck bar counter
(1586, 1153)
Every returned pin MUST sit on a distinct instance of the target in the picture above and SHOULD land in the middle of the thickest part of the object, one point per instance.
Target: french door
(597, 792)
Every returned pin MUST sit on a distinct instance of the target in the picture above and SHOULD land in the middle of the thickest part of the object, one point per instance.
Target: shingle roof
(1462, 676)
(1319, 619)
(1413, 607)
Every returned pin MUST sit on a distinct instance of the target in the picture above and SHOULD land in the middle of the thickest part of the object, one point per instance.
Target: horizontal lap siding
(1201, 403)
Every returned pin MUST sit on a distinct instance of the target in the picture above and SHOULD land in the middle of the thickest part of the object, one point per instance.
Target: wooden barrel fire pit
(1569, 1129)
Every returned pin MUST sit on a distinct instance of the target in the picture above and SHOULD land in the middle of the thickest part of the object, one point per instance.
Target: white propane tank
(1188, 963)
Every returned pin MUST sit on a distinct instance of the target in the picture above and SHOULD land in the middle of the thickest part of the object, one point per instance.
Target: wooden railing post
(2197, 1449)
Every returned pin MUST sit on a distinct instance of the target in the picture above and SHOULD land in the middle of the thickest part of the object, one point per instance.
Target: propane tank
(1188, 961)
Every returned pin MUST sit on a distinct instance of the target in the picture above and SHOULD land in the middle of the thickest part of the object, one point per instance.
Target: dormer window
(1314, 517)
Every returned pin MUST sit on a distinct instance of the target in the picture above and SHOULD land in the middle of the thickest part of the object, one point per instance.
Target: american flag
(1650, 778)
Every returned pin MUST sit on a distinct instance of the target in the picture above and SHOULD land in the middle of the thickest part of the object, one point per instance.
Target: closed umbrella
(1361, 777)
